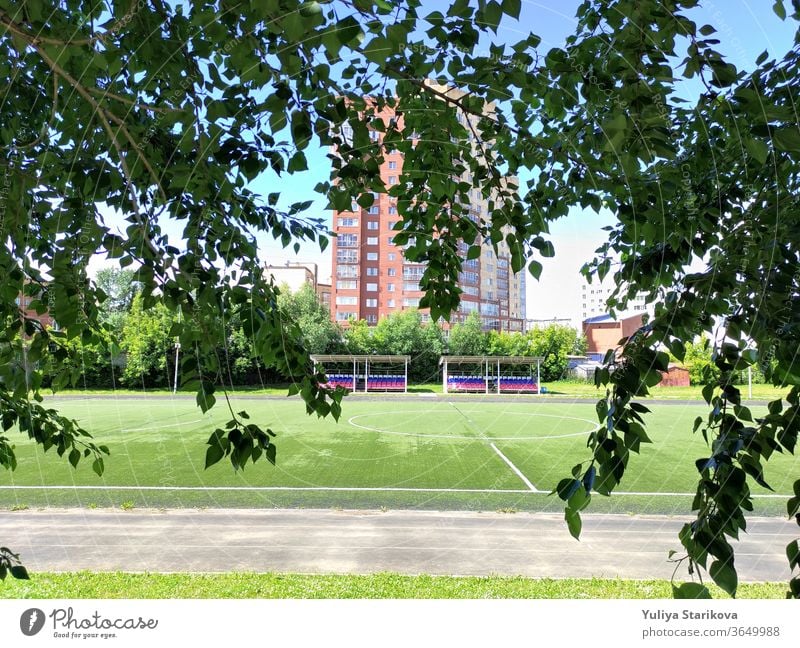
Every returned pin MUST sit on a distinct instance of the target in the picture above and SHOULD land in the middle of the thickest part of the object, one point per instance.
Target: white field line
(507, 461)
(347, 489)
(516, 470)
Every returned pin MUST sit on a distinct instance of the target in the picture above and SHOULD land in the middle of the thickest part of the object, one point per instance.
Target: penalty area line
(515, 470)
(507, 461)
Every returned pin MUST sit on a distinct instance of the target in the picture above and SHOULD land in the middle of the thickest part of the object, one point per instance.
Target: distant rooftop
(606, 317)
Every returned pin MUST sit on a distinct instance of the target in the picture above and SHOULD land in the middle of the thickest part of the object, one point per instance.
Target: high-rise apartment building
(594, 296)
(371, 278)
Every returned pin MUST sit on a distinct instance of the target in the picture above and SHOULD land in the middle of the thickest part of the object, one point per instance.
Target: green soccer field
(389, 452)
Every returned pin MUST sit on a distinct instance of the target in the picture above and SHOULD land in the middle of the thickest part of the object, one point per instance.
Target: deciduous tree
(167, 112)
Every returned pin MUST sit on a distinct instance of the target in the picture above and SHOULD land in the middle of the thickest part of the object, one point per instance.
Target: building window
(391, 240)
(372, 256)
(392, 164)
(373, 225)
(372, 240)
(390, 287)
(391, 256)
(372, 319)
(347, 284)
(346, 300)
(347, 271)
(347, 240)
(348, 222)
(392, 180)
(374, 210)
(410, 286)
(390, 303)
(372, 272)
(346, 256)
(372, 287)
(372, 303)
(392, 209)
(374, 135)
(343, 316)
(410, 302)
(391, 272)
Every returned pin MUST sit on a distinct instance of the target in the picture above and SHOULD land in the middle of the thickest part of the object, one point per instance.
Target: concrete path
(409, 542)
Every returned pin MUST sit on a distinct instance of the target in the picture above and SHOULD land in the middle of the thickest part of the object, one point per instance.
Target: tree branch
(103, 115)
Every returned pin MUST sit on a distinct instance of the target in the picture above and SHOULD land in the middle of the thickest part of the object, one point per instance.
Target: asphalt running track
(360, 542)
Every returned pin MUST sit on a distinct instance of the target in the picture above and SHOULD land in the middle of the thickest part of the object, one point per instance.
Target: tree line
(139, 349)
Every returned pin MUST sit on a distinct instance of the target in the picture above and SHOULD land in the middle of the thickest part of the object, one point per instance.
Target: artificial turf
(428, 453)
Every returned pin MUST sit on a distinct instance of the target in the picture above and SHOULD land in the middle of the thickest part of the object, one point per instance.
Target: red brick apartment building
(604, 332)
(371, 278)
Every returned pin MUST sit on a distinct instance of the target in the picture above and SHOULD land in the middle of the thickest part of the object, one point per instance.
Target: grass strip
(119, 585)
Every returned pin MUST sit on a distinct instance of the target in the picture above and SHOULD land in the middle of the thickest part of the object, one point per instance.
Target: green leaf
(271, 453)
(512, 7)
(787, 139)
(758, 149)
(378, 50)
(793, 554)
(566, 488)
(574, 523)
(214, 454)
(349, 32)
(474, 252)
(535, 268)
(19, 572)
(98, 466)
(74, 457)
(779, 9)
(690, 591)
(580, 499)
(725, 576)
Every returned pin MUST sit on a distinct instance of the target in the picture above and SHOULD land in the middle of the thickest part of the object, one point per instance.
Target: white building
(593, 297)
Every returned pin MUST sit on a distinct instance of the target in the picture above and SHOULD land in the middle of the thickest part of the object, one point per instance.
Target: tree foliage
(468, 337)
(149, 348)
(320, 334)
(638, 111)
(553, 343)
(401, 333)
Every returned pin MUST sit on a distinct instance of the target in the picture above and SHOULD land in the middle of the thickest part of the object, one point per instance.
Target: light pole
(175, 380)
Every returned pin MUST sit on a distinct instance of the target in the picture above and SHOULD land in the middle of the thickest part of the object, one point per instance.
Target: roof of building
(360, 358)
(493, 359)
(607, 318)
